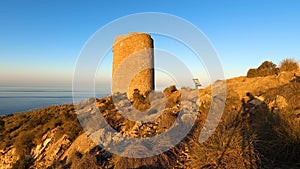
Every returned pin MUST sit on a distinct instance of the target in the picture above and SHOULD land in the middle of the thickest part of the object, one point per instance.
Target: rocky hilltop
(260, 128)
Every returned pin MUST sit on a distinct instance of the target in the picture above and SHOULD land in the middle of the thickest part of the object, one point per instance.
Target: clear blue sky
(41, 40)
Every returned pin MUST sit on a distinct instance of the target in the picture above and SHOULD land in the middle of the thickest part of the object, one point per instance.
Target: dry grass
(288, 64)
(232, 143)
(266, 139)
(278, 139)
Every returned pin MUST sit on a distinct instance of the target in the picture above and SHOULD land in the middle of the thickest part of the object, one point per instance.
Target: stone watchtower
(133, 64)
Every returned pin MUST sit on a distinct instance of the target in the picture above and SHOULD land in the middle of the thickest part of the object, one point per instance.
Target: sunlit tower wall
(126, 46)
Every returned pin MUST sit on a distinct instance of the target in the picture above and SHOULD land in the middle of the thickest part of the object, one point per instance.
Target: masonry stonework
(133, 64)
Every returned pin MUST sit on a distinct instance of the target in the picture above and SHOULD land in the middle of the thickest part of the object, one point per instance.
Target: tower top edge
(131, 34)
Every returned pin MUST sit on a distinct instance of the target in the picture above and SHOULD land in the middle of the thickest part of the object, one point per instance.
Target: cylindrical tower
(133, 64)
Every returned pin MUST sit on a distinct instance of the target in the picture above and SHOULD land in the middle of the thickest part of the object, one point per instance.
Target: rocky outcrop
(49, 151)
(257, 86)
(279, 103)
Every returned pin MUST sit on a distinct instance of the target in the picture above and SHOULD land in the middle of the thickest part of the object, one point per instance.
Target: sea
(21, 99)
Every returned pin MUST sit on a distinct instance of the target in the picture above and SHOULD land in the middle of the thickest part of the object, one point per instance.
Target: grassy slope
(266, 139)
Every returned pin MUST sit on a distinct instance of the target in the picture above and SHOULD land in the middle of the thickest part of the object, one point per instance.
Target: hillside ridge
(52, 137)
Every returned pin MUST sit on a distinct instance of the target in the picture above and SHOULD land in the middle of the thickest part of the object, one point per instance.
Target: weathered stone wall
(133, 63)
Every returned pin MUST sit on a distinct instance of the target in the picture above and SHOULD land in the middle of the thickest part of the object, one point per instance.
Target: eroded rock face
(258, 85)
(49, 151)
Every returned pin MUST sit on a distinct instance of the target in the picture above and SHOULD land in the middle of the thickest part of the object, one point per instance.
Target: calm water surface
(20, 99)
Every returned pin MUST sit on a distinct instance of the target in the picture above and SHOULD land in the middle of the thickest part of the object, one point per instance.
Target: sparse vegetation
(288, 64)
(268, 68)
(27, 129)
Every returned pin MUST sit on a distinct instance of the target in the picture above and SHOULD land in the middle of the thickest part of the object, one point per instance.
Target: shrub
(252, 73)
(2, 125)
(288, 64)
(172, 95)
(267, 68)
(140, 102)
(23, 163)
(88, 161)
(267, 65)
(23, 143)
(73, 130)
(108, 103)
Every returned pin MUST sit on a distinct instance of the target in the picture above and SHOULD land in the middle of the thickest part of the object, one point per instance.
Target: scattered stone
(279, 103)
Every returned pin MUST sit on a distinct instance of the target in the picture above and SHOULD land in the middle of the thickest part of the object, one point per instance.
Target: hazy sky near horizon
(41, 40)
